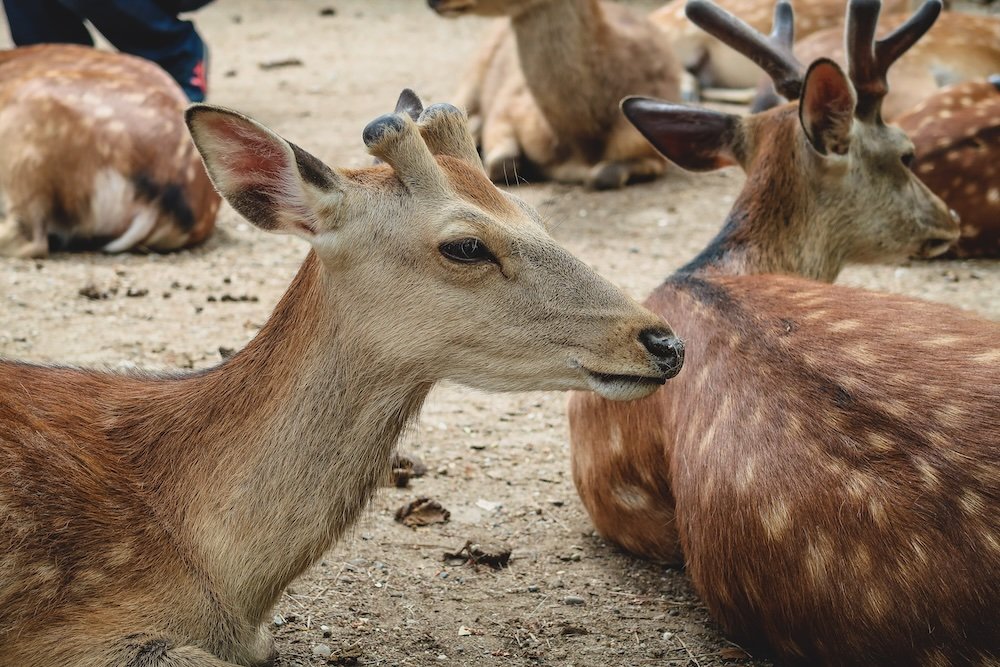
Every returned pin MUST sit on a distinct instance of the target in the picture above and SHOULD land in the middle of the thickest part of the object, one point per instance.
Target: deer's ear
(826, 107)
(272, 183)
(695, 139)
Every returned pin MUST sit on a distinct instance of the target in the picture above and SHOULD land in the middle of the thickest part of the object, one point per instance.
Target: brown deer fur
(154, 520)
(576, 59)
(956, 133)
(827, 465)
(95, 153)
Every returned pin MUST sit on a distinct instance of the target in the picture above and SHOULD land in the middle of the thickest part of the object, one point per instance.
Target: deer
(961, 47)
(956, 133)
(95, 155)
(154, 520)
(826, 465)
(549, 51)
(715, 65)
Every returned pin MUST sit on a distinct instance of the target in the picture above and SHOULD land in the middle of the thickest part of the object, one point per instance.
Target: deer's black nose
(666, 348)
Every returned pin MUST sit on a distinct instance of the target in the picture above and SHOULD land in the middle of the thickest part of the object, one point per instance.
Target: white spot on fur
(776, 519)
(631, 497)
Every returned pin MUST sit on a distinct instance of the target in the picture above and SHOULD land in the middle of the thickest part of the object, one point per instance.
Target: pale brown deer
(716, 65)
(960, 47)
(827, 464)
(957, 137)
(153, 521)
(546, 89)
(95, 154)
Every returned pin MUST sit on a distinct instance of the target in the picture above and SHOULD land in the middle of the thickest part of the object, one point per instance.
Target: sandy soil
(499, 463)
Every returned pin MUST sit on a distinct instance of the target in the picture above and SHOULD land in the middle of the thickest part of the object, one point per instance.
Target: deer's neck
(775, 226)
(283, 446)
(560, 45)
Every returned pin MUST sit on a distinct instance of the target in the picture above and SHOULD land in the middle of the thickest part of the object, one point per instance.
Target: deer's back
(839, 467)
(91, 136)
(76, 531)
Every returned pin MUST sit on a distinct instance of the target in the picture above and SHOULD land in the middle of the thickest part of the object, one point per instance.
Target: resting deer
(957, 137)
(961, 47)
(716, 65)
(155, 520)
(95, 154)
(589, 52)
(827, 465)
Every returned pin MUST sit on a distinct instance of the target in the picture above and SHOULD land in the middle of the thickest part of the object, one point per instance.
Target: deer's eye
(907, 159)
(467, 251)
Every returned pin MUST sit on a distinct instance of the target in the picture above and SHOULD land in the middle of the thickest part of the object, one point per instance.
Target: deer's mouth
(451, 8)
(935, 248)
(623, 387)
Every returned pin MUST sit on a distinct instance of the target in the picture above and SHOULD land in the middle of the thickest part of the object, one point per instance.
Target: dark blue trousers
(146, 28)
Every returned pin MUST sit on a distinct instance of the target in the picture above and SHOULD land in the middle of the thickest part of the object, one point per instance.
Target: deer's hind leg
(23, 232)
(149, 651)
(628, 158)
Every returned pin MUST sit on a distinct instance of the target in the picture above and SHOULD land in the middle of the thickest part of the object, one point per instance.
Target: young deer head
(156, 520)
(95, 154)
(430, 218)
(957, 137)
(826, 167)
(816, 477)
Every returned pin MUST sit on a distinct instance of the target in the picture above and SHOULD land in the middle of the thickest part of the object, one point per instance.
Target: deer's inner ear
(826, 109)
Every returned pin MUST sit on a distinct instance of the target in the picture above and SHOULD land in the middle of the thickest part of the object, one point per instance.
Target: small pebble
(532, 589)
(573, 600)
(667, 636)
(325, 629)
(279, 620)
(322, 650)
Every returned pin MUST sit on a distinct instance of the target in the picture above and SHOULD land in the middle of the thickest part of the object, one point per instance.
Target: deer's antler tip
(697, 7)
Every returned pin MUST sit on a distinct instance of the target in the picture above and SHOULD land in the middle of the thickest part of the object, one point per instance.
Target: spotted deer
(957, 137)
(960, 47)
(827, 464)
(716, 65)
(154, 520)
(546, 88)
(95, 154)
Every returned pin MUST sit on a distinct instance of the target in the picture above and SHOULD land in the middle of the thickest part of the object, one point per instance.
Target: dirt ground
(500, 464)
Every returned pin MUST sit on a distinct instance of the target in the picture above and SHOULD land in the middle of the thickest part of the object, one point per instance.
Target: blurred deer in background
(95, 154)
(960, 47)
(547, 86)
(155, 520)
(957, 137)
(827, 465)
(716, 65)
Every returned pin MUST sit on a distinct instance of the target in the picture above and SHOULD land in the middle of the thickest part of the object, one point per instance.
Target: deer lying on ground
(961, 47)
(957, 137)
(827, 465)
(95, 154)
(589, 52)
(713, 63)
(154, 520)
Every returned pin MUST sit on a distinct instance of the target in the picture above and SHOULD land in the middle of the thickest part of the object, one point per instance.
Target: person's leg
(41, 21)
(144, 28)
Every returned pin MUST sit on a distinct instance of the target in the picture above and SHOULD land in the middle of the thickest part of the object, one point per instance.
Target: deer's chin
(623, 387)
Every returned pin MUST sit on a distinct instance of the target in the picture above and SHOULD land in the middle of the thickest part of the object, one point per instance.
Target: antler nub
(772, 54)
(409, 138)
